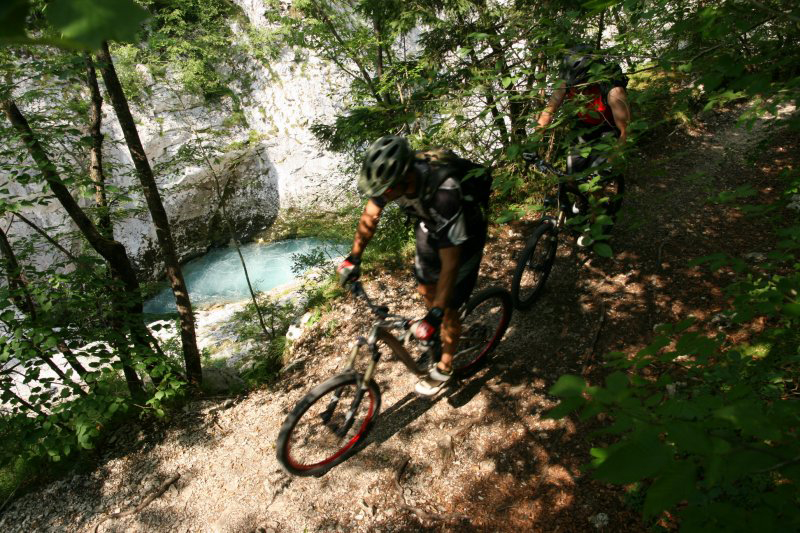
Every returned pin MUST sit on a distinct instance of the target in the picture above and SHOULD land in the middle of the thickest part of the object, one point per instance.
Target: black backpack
(580, 61)
(475, 180)
(613, 77)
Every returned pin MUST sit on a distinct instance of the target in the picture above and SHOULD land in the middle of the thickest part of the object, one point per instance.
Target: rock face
(263, 154)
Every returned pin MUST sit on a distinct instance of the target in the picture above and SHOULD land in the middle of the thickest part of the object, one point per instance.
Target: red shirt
(596, 111)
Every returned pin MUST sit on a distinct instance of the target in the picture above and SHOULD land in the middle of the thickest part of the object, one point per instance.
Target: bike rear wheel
(534, 266)
(317, 434)
(483, 323)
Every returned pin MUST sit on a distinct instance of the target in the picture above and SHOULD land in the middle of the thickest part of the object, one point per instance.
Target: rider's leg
(451, 327)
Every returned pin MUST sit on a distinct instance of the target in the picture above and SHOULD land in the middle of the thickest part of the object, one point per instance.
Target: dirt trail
(480, 457)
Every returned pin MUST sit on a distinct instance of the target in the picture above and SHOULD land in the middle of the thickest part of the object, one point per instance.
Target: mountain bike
(332, 420)
(574, 199)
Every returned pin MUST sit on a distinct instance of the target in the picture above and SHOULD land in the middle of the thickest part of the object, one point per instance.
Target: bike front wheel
(328, 425)
(483, 324)
(613, 189)
(534, 266)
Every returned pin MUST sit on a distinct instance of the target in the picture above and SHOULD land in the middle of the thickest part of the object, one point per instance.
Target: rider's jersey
(448, 218)
(596, 111)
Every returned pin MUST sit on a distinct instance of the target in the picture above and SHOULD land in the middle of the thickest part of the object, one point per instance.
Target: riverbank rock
(221, 380)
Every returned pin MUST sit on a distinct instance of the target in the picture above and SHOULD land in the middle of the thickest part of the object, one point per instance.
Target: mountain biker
(606, 114)
(450, 234)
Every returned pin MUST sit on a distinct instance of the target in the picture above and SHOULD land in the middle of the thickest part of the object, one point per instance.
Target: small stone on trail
(486, 466)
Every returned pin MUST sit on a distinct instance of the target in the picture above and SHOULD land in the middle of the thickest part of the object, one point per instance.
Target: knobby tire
(305, 420)
(483, 323)
(534, 265)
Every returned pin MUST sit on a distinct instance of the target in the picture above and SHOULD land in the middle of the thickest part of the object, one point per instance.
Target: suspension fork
(362, 384)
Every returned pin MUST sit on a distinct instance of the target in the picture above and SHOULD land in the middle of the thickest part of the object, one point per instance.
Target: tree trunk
(191, 354)
(601, 26)
(18, 282)
(96, 150)
(497, 118)
(110, 250)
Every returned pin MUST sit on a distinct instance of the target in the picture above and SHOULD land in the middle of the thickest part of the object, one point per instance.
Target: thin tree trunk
(110, 250)
(18, 282)
(96, 150)
(601, 26)
(497, 118)
(191, 354)
(229, 225)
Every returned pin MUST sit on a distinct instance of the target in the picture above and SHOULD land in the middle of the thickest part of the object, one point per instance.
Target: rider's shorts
(577, 162)
(427, 264)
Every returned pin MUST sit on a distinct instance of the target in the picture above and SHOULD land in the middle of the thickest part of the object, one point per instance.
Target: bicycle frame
(380, 331)
(563, 204)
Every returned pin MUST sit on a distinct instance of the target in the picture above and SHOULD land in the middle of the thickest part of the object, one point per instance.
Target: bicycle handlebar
(380, 310)
(540, 164)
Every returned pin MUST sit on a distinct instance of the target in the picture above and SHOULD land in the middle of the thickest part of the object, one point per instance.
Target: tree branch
(772, 10)
(49, 239)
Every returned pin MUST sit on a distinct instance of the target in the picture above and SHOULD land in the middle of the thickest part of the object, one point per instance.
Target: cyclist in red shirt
(606, 112)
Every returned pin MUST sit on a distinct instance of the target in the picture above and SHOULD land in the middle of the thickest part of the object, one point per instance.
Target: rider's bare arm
(618, 102)
(556, 99)
(447, 275)
(367, 225)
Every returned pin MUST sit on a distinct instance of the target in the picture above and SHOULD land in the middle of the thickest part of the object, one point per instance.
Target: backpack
(612, 76)
(579, 63)
(475, 180)
(615, 78)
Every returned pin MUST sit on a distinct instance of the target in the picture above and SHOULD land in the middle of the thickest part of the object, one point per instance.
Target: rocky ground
(481, 456)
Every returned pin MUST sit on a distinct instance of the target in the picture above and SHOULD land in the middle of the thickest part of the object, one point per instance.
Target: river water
(217, 277)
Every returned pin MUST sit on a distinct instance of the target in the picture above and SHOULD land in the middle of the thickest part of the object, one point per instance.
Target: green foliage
(90, 22)
(76, 23)
(709, 428)
(266, 357)
(193, 40)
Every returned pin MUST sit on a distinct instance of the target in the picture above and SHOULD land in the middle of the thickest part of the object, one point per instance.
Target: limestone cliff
(265, 157)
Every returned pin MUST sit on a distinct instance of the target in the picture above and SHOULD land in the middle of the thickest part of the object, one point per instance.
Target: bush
(708, 429)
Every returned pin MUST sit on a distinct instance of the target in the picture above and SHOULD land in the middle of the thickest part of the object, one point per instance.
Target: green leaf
(12, 18)
(568, 386)
(602, 249)
(675, 485)
(749, 417)
(49, 342)
(640, 457)
(90, 22)
(565, 407)
(506, 82)
(792, 309)
(689, 438)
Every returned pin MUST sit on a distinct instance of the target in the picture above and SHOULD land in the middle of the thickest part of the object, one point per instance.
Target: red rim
(498, 332)
(352, 442)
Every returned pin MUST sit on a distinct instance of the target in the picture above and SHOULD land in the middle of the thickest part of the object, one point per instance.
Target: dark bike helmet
(385, 163)
(576, 63)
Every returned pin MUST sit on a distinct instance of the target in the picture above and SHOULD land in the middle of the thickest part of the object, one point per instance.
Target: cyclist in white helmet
(450, 235)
